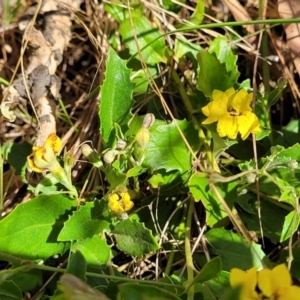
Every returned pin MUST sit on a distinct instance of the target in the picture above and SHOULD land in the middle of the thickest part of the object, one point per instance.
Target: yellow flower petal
(248, 123)
(31, 164)
(127, 203)
(275, 282)
(54, 142)
(281, 276)
(230, 93)
(265, 282)
(44, 158)
(290, 293)
(247, 281)
(120, 204)
(241, 101)
(216, 108)
(228, 126)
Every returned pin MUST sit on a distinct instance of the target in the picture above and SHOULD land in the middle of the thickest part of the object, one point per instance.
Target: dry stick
(20, 60)
(253, 135)
(47, 50)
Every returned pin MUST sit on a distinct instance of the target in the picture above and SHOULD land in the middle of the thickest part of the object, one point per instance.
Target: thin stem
(110, 277)
(190, 110)
(188, 251)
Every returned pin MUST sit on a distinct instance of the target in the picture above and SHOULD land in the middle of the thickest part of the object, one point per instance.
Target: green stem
(170, 262)
(109, 277)
(188, 251)
(1, 185)
(190, 110)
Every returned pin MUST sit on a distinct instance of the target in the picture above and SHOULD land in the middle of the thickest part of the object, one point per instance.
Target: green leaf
(31, 230)
(199, 187)
(166, 148)
(140, 79)
(234, 251)
(28, 280)
(116, 98)
(135, 171)
(289, 134)
(147, 36)
(210, 270)
(77, 265)
(222, 50)
(16, 155)
(91, 218)
(198, 14)
(115, 178)
(219, 285)
(132, 291)
(290, 226)
(209, 79)
(10, 291)
(220, 144)
(184, 49)
(269, 212)
(134, 239)
(95, 250)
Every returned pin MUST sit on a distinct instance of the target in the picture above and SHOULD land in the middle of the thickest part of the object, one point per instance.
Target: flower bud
(121, 145)
(109, 156)
(148, 121)
(142, 137)
(91, 155)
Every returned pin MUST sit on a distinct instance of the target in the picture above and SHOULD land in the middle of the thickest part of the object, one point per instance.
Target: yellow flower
(247, 280)
(277, 284)
(120, 202)
(44, 158)
(233, 113)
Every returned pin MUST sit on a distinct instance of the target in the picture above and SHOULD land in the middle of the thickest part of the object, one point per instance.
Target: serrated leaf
(147, 36)
(116, 98)
(209, 79)
(222, 50)
(134, 239)
(92, 218)
(95, 250)
(31, 230)
(234, 251)
(166, 148)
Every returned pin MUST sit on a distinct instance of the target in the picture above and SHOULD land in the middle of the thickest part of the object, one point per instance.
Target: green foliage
(148, 39)
(133, 238)
(218, 57)
(40, 221)
(166, 195)
(116, 97)
(167, 150)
